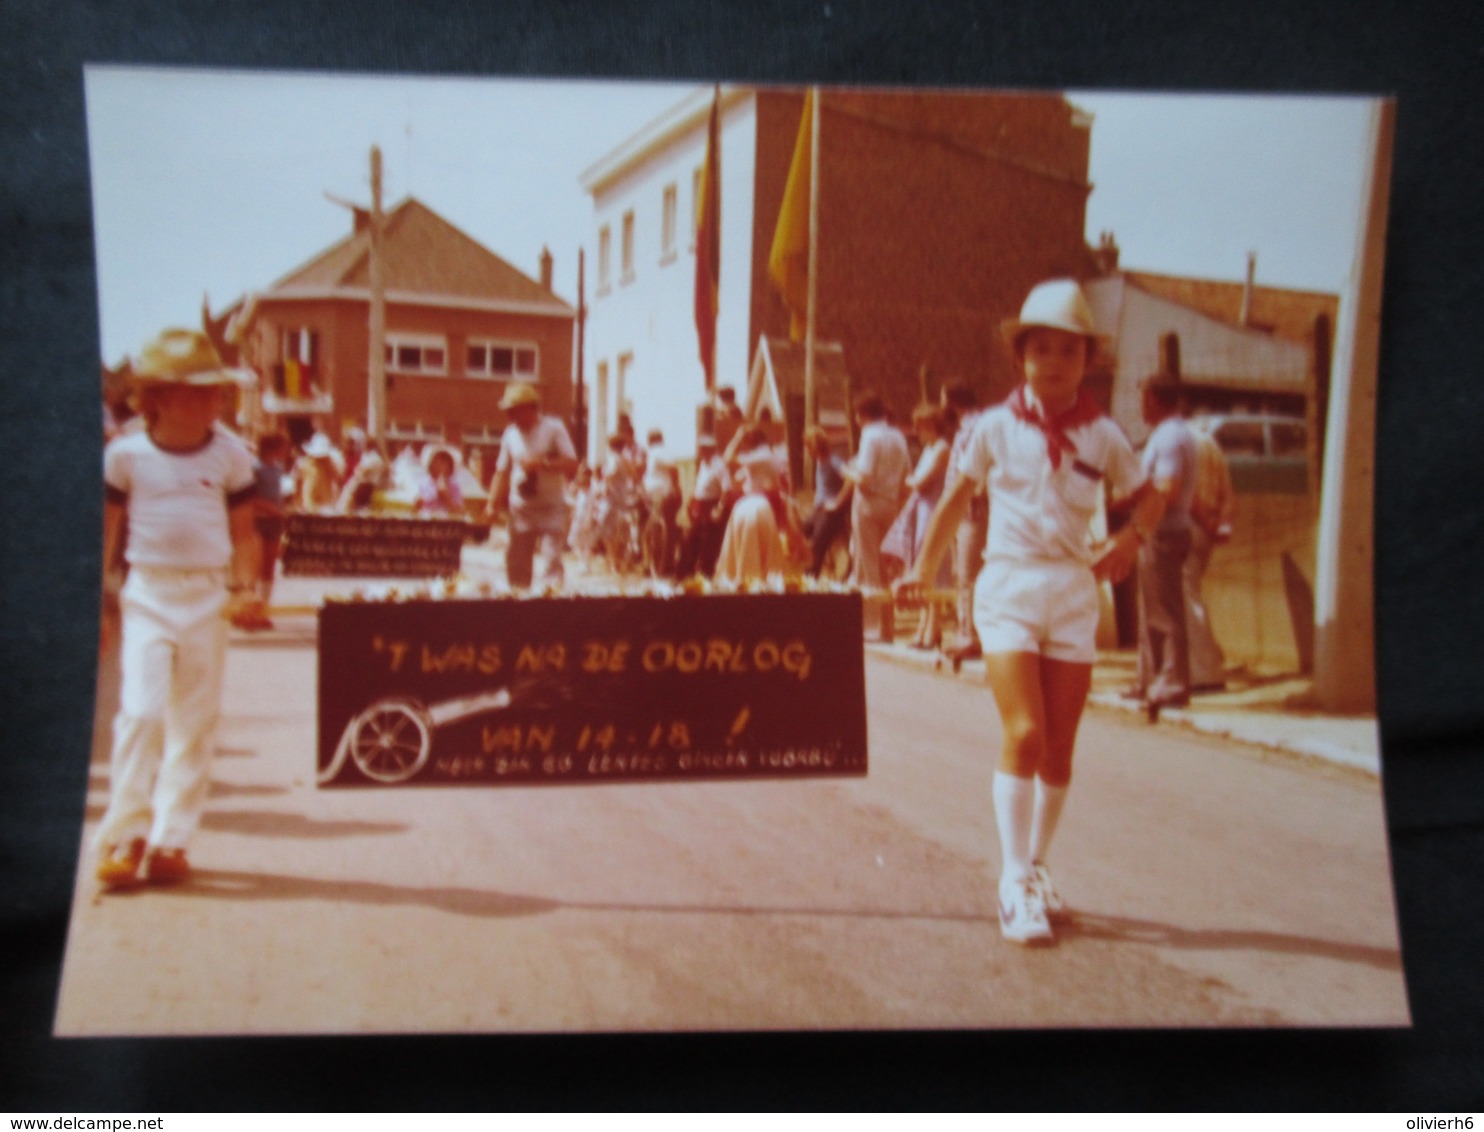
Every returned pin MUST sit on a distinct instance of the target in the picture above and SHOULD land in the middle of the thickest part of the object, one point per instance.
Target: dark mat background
(1429, 605)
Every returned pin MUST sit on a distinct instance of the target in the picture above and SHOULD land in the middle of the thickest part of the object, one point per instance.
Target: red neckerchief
(1084, 411)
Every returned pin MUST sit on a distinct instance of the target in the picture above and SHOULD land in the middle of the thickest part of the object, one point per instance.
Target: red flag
(708, 245)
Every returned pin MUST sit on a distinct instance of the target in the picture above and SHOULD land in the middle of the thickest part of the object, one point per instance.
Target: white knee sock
(1014, 802)
(1049, 802)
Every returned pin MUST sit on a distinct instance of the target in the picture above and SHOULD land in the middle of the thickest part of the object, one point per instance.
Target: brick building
(937, 212)
(461, 325)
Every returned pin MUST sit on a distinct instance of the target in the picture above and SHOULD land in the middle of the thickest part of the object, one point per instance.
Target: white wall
(652, 316)
(1209, 348)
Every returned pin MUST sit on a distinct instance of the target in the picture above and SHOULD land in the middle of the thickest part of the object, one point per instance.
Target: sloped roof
(1212, 349)
(425, 260)
(1288, 314)
(783, 360)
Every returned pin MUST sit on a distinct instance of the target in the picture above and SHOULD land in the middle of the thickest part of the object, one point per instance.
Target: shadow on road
(1123, 930)
(244, 790)
(266, 823)
(221, 884)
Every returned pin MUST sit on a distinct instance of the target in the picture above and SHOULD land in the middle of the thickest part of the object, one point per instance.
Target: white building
(642, 352)
(1215, 356)
(936, 210)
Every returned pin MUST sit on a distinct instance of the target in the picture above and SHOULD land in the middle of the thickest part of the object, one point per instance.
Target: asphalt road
(1213, 884)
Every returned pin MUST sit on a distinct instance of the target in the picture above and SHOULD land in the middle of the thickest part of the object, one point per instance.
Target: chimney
(1246, 318)
(546, 268)
(1106, 254)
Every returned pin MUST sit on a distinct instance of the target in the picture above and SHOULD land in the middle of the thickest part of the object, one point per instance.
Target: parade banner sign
(374, 546)
(585, 690)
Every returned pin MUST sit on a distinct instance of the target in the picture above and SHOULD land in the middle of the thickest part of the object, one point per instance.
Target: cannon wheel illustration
(390, 740)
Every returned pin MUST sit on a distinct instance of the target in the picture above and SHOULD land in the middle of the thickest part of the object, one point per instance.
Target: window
(621, 389)
(485, 436)
(296, 373)
(416, 354)
(605, 259)
(298, 344)
(506, 361)
(626, 252)
(1241, 438)
(1289, 438)
(600, 412)
(667, 224)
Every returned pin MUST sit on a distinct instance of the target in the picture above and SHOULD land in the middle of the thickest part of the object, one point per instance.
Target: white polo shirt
(1038, 511)
(178, 501)
(1170, 455)
(883, 464)
(547, 438)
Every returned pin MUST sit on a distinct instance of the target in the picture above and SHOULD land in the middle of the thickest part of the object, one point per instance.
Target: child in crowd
(1046, 453)
(440, 493)
(186, 486)
(270, 470)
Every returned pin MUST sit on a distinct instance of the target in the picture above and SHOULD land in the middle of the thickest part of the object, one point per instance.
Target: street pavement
(1272, 710)
(1215, 883)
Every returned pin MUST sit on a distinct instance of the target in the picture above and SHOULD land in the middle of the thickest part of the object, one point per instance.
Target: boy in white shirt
(186, 487)
(536, 458)
(1046, 454)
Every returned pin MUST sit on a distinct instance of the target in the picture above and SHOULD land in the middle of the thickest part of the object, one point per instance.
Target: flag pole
(809, 406)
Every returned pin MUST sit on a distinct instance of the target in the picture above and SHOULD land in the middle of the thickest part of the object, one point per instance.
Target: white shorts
(1041, 606)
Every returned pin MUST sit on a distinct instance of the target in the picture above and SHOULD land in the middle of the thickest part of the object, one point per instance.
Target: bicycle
(654, 542)
(619, 537)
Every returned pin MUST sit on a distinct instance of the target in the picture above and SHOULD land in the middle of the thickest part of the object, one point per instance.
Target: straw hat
(518, 394)
(1057, 304)
(181, 357)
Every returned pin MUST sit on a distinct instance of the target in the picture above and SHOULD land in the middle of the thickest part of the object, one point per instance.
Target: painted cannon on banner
(585, 690)
(381, 546)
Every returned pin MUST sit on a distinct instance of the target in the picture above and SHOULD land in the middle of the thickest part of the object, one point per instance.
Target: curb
(1254, 730)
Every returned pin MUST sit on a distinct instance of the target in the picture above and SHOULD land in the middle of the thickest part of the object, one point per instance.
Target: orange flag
(788, 262)
(708, 245)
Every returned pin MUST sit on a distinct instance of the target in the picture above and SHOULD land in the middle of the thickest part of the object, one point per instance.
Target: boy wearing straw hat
(1046, 454)
(186, 487)
(536, 457)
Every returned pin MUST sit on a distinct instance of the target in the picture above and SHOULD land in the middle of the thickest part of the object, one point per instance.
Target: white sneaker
(1051, 900)
(1023, 913)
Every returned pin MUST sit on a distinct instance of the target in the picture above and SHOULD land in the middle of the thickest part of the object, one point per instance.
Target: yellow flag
(788, 262)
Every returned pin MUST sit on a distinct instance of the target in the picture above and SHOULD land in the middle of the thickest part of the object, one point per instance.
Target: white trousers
(1207, 661)
(868, 528)
(173, 652)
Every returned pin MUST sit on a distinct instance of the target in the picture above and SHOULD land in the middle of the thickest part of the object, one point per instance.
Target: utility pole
(809, 405)
(1345, 649)
(376, 394)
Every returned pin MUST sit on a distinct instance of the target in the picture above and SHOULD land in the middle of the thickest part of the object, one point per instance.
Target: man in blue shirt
(1169, 464)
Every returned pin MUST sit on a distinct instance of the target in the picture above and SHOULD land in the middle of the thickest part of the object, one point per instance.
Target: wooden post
(376, 394)
(810, 408)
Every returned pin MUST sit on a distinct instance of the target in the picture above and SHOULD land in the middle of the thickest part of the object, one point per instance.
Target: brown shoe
(118, 867)
(167, 866)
